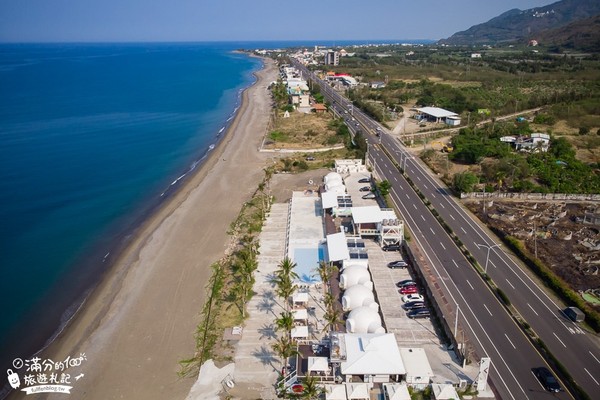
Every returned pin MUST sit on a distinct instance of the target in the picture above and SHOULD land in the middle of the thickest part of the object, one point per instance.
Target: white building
(350, 166)
(436, 114)
(375, 358)
(418, 369)
(371, 221)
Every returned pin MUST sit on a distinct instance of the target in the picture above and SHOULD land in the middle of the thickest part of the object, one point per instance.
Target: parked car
(547, 380)
(364, 180)
(411, 305)
(406, 282)
(397, 264)
(408, 290)
(369, 196)
(418, 313)
(310, 158)
(407, 298)
(365, 189)
(391, 247)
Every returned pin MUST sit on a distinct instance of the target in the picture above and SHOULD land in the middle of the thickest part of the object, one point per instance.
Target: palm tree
(333, 316)
(312, 390)
(286, 268)
(325, 272)
(285, 348)
(285, 288)
(285, 322)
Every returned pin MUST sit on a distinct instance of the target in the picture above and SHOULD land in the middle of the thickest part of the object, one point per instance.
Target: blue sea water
(91, 136)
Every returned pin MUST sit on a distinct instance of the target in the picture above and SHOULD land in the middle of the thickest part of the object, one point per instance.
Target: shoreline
(141, 282)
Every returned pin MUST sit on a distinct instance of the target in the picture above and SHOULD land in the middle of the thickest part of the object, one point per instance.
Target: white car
(412, 297)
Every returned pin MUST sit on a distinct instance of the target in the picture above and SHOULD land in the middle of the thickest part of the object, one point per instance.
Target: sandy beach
(140, 321)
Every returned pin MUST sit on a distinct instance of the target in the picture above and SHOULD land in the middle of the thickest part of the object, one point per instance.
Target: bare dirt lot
(564, 243)
(302, 130)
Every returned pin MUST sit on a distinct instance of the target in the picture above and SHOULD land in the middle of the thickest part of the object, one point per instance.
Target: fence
(531, 196)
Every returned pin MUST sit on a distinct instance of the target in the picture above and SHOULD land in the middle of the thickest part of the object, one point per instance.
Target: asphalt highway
(488, 325)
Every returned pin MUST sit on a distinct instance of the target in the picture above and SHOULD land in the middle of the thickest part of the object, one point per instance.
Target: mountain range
(558, 22)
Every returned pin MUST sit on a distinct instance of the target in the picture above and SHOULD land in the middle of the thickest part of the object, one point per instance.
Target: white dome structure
(364, 320)
(359, 296)
(353, 263)
(335, 187)
(332, 178)
(355, 275)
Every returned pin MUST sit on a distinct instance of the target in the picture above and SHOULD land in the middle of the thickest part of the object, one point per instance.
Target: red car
(408, 290)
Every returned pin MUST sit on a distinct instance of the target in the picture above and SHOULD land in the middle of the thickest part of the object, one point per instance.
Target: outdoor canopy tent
(300, 313)
(357, 391)
(300, 331)
(396, 391)
(335, 392)
(318, 364)
(300, 297)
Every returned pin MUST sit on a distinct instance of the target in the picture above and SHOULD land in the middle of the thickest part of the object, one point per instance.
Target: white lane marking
(511, 343)
(441, 204)
(557, 338)
(415, 206)
(425, 186)
(407, 196)
(463, 229)
(418, 177)
(431, 229)
(452, 216)
(390, 171)
(396, 179)
(592, 354)
(442, 244)
(422, 217)
(591, 376)
(488, 310)
(455, 264)
(469, 283)
(511, 285)
(535, 312)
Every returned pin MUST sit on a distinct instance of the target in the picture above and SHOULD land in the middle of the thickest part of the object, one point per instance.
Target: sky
(235, 20)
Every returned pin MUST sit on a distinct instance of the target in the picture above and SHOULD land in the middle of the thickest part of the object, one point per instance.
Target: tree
(464, 182)
(333, 317)
(312, 390)
(384, 187)
(285, 348)
(285, 322)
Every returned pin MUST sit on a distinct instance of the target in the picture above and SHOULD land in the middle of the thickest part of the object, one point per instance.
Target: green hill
(522, 25)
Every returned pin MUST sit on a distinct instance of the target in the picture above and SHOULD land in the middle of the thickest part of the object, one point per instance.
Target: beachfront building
(382, 224)
(368, 358)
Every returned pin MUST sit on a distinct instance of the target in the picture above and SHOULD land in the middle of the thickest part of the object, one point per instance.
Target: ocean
(92, 138)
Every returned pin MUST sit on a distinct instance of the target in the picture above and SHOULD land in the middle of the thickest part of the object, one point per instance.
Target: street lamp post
(489, 248)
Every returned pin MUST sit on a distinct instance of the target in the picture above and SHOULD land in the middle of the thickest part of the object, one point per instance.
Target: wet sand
(140, 321)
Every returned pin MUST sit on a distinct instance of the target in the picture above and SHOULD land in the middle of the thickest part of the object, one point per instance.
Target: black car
(418, 313)
(406, 282)
(397, 264)
(364, 180)
(547, 380)
(365, 189)
(413, 305)
(391, 247)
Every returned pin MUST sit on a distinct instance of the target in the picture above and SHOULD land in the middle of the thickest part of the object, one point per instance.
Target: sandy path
(141, 320)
